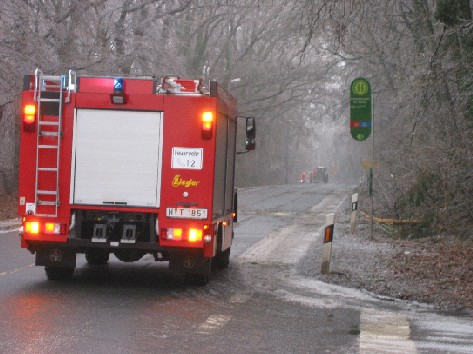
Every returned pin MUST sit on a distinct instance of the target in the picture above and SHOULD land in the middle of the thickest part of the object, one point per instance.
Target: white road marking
(385, 332)
(213, 324)
(446, 334)
(239, 298)
(16, 270)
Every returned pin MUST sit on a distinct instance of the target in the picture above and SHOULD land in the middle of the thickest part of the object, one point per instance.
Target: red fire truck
(128, 166)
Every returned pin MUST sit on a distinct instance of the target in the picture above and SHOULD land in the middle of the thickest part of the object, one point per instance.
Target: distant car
(319, 174)
(302, 178)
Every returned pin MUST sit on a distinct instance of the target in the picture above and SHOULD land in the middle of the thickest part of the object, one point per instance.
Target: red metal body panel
(27, 159)
(105, 85)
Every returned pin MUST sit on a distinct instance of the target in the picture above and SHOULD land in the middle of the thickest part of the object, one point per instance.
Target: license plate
(186, 213)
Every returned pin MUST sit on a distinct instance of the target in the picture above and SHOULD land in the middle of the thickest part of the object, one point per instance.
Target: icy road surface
(261, 304)
(386, 325)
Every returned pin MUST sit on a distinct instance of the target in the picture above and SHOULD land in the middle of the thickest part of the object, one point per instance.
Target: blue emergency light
(118, 96)
(118, 86)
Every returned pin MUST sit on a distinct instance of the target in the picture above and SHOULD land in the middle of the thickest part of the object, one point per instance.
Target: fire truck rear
(128, 166)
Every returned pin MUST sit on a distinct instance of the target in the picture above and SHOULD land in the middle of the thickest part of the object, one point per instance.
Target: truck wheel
(197, 279)
(221, 260)
(129, 255)
(97, 257)
(59, 273)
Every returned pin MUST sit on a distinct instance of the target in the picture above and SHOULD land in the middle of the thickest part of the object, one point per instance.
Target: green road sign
(360, 109)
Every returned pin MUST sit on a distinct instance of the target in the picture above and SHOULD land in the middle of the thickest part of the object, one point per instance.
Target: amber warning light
(29, 117)
(207, 124)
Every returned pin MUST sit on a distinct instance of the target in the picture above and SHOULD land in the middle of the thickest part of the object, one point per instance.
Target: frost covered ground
(8, 217)
(437, 271)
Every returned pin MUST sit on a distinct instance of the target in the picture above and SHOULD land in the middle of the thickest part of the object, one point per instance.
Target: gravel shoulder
(435, 270)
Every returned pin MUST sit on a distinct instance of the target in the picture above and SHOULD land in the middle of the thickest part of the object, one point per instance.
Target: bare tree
(290, 64)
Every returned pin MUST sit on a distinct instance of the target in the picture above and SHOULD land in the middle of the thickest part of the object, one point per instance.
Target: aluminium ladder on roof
(49, 94)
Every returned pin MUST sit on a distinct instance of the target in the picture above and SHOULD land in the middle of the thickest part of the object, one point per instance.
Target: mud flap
(55, 257)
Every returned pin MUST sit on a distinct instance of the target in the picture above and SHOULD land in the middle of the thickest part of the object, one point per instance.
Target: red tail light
(195, 235)
(172, 234)
(32, 227)
(192, 235)
(35, 228)
(55, 229)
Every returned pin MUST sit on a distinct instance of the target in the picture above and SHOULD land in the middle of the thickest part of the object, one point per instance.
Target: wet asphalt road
(258, 305)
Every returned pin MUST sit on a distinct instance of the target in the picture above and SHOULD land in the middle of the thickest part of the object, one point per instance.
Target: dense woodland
(290, 64)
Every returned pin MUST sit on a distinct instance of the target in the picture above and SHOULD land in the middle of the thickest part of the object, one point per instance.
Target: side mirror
(250, 128)
(250, 143)
(250, 134)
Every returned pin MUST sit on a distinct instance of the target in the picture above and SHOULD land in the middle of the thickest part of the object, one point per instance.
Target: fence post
(354, 212)
(327, 249)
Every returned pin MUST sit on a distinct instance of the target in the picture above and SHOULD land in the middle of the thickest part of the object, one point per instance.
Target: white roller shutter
(116, 158)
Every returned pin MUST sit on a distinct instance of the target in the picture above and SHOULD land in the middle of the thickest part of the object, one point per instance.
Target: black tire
(197, 279)
(59, 273)
(129, 255)
(97, 257)
(221, 260)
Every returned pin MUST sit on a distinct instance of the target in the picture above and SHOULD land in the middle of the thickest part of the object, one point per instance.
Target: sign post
(361, 124)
